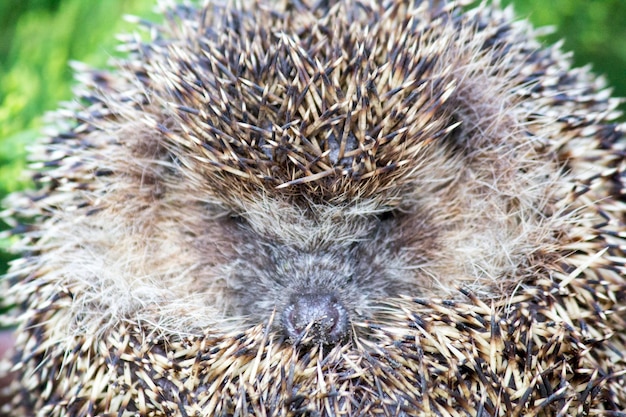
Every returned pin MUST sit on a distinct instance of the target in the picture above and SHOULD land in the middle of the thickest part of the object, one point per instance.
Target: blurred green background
(39, 37)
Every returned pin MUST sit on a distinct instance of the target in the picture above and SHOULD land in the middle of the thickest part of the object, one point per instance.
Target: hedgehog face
(322, 266)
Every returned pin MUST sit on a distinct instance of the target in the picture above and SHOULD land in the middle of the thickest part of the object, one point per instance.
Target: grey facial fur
(378, 260)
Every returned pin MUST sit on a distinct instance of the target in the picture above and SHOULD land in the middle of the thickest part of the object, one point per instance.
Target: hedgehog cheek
(315, 318)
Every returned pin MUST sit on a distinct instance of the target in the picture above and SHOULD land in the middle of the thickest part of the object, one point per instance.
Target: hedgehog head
(348, 153)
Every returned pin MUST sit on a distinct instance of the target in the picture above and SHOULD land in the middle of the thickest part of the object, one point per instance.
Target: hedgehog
(334, 208)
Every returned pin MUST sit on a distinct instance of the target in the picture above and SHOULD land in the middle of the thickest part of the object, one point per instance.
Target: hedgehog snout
(316, 318)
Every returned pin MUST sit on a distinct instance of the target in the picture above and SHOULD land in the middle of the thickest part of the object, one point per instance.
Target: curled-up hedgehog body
(353, 208)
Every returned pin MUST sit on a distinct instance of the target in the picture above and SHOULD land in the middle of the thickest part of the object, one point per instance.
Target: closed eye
(386, 216)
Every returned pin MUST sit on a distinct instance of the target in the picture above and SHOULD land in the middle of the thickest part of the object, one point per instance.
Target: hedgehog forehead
(322, 103)
(312, 226)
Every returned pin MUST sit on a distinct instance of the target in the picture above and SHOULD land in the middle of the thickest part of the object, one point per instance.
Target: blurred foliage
(39, 37)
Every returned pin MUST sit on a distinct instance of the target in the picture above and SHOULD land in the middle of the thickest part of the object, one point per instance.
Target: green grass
(39, 37)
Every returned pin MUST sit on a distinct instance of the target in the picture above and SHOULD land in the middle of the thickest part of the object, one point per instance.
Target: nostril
(320, 317)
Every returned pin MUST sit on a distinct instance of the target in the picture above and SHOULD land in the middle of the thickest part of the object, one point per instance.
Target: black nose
(317, 318)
